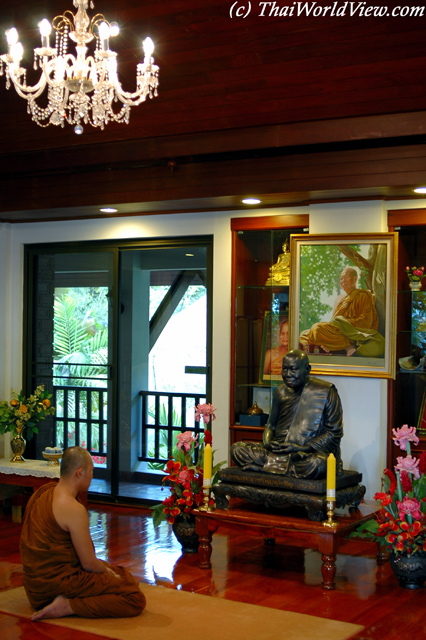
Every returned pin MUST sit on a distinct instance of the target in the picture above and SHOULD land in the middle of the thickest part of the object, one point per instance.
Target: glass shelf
(259, 310)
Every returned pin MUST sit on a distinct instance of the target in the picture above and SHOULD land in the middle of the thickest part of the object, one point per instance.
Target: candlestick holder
(331, 505)
(206, 498)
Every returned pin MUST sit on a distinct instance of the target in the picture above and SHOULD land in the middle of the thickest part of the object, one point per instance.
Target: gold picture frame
(345, 332)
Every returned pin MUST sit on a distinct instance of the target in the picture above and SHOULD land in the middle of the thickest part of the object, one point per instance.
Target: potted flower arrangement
(400, 524)
(185, 480)
(21, 412)
(415, 275)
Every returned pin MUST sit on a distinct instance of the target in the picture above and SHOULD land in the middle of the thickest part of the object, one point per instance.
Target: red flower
(208, 439)
(384, 498)
(390, 474)
(405, 482)
(173, 467)
(422, 462)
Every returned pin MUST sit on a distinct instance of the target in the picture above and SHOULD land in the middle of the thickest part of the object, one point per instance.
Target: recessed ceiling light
(420, 190)
(190, 255)
(109, 210)
(251, 201)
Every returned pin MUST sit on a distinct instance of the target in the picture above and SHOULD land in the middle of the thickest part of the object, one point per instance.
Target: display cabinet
(260, 309)
(407, 393)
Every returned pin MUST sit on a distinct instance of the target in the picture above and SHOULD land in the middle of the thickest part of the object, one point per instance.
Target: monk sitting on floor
(62, 575)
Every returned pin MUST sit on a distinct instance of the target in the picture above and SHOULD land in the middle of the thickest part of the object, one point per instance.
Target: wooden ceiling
(293, 109)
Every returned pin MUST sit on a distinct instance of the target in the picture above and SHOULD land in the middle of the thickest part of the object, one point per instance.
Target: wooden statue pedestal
(295, 530)
(273, 490)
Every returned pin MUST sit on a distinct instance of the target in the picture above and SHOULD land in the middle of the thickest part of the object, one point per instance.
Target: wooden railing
(81, 418)
(163, 416)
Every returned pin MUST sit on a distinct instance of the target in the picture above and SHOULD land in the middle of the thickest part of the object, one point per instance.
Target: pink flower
(185, 440)
(408, 464)
(185, 476)
(403, 435)
(418, 272)
(205, 411)
(409, 506)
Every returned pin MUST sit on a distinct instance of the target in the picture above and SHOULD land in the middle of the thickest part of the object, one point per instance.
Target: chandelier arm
(25, 91)
(135, 98)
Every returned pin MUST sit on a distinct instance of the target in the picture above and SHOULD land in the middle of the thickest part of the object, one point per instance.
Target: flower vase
(415, 285)
(184, 530)
(410, 570)
(17, 445)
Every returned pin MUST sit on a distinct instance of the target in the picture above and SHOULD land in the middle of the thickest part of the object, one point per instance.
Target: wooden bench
(260, 521)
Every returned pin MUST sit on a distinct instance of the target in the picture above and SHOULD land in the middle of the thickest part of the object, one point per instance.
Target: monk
(305, 426)
(62, 575)
(274, 357)
(353, 325)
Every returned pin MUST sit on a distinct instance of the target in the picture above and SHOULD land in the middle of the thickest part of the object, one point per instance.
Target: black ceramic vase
(410, 571)
(184, 530)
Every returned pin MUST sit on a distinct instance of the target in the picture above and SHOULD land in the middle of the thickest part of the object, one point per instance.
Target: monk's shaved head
(351, 272)
(75, 458)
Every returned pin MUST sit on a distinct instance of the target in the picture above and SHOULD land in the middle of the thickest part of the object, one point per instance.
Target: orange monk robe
(52, 568)
(354, 320)
(276, 361)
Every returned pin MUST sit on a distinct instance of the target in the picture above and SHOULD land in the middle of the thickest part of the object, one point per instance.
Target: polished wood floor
(244, 569)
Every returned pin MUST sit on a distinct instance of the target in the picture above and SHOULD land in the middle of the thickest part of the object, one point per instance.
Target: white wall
(364, 399)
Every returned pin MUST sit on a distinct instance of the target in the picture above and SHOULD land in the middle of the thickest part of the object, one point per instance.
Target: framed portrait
(343, 302)
(421, 423)
(274, 346)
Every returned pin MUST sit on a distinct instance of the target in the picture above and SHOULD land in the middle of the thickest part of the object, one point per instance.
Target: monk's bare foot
(59, 608)
(350, 350)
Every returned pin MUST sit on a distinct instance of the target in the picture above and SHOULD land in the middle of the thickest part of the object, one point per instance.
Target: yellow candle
(208, 461)
(331, 477)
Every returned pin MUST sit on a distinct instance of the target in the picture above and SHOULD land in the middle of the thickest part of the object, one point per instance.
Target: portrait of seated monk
(353, 325)
(274, 357)
(61, 574)
(305, 425)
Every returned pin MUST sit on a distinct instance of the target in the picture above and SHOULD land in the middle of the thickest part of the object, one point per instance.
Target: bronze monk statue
(305, 425)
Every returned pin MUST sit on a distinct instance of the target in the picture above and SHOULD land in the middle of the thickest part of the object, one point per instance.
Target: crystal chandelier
(71, 78)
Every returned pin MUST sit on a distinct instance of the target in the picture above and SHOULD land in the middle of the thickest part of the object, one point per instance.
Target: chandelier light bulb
(45, 30)
(45, 27)
(17, 52)
(148, 47)
(104, 33)
(114, 29)
(12, 36)
(104, 30)
(83, 87)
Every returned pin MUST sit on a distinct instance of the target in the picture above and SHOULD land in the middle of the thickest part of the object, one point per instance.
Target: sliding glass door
(120, 334)
(163, 356)
(71, 338)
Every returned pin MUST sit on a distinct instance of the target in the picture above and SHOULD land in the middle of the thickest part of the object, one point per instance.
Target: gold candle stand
(206, 498)
(332, 524)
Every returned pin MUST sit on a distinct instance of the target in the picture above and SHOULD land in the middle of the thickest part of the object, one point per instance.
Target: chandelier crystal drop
(70, 79)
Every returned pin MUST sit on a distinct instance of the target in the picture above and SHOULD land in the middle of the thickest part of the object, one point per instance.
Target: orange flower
(14, 403)
(23, 408)
(46, 403)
